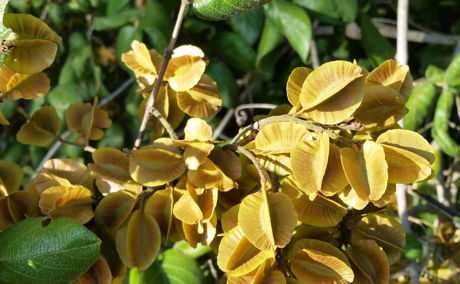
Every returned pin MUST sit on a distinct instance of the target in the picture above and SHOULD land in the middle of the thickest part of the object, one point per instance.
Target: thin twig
(159, 81)
(157, 114)
(241, 116)
(314, 49)
(264, 178)
(241, 133)
(116, 93)
(447, 211)
(223, 123)
(86, 148)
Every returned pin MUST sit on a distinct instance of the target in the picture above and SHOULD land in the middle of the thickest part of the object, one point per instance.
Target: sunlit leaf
(153, 167)
(229, 219)
(41, 129)
(202, 100)
(237, 256)
(315, 261)
(309, 162)
(201, 233)
(111, 171)
(267, 219)
(36, 46)
(138, 241)
(139, 60)
(185, 67)
(11, 176)
(255, 276)
(74, 202)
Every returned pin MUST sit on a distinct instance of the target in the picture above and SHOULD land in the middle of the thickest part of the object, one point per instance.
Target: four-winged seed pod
(300, 199)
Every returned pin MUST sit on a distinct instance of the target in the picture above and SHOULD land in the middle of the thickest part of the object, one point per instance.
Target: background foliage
(251, 56)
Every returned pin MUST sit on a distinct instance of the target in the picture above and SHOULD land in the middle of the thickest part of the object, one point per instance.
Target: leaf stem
(167, 57)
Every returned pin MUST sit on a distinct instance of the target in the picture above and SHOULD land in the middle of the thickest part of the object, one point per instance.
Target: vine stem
(166, 58)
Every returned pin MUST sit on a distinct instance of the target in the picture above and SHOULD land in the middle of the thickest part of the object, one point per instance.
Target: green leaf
(115, 6)
(117, 20)
(33, 252)
(413, 249)
(434, 74)
(125, 36)
(377, 47)
(294, 23)
(440, 130)
(234, 50)
(453, 72)
(271, 37)
(331, 10)
(172, 267)
(419, 105)
(248, 25)
(216, 10)
(157, 28)
(226, 82)
(196, 253)
(63, 95)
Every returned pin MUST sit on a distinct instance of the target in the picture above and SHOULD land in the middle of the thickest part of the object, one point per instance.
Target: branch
(402, 28)
(157, 114)
(167, 56)
(225, 120)
(264, 178)
(241, 116)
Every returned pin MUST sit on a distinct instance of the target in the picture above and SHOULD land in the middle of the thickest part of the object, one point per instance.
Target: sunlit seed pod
(332, 92)
(366, 170)
(227, 161)
(267, 219)
(380, 108)
(11, 176)
(370, 260)
(87, 121)
(208, 175)
(237, 256)
(14, 86)
(392, 74)
(309, 162)
(175, 114)
(41, 129)
(316, 261)
(63, 172)
(351, 198)
(154, 167)
(113, 210)
(138, 241)
(277, 163)
(229, 219)
(74, 202)
(334, 180)
(142, 62)
(385, 230)
(202, 100)
(160, 207)
(257, 276)
(187, 210)
(185, 68)
(201, 233)
(279, 138)
(99, 273)
(295, 83)
(36, 46)
(111, 171)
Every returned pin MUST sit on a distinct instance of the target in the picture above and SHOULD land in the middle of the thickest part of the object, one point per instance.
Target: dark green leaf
(294, 23)
(248, 25)
(117, 20)
(234, 50)
(115, 6)
(440, 130)
(125, 37)
(331, 10)
(225, 80)
(377, 47)
(419, 105)
(453, 72)
(172, 267)
(62, 96)
(271, 37)
(157, 28)
(413, 249)
(34, 253)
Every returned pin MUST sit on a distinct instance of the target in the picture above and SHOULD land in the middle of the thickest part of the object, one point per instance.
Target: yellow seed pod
(113, 210)
(138, 241)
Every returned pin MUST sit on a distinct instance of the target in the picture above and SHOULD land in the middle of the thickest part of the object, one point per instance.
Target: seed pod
(217, 10)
